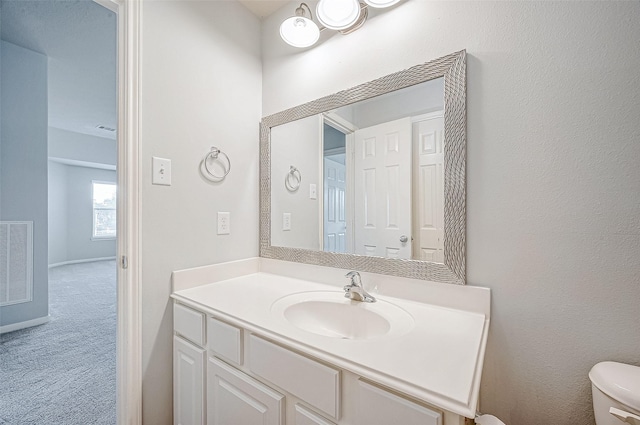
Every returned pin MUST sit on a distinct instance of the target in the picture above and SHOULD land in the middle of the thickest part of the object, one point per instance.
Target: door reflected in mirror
(371, 178)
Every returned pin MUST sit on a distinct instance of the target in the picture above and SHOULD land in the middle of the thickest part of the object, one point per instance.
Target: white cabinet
(236, 398)
(241, 378)
(188, 383)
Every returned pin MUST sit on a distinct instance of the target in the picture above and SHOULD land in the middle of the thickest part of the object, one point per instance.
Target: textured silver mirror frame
(453, 68)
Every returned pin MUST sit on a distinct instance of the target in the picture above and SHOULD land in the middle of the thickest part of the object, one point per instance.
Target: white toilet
(616, 393)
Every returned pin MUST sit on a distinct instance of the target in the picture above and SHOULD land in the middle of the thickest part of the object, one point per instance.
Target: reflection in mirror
(371, 174)
(380, 184)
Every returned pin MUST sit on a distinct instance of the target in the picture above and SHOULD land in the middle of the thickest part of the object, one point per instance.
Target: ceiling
(263, 8)
(79, 39)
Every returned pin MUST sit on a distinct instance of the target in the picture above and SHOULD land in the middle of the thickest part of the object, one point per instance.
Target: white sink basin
(330, 314)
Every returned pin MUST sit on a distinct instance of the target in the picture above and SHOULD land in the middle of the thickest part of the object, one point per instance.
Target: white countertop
(439, 360)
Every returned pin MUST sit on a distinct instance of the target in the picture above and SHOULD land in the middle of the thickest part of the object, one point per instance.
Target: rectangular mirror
(371, 178)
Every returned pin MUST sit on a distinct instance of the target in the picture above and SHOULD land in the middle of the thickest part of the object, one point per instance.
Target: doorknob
(404, 239)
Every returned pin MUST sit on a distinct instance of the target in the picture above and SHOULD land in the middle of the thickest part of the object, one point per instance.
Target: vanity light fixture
(338, 14)
(381, 3)
(298, 30)
(345, 16)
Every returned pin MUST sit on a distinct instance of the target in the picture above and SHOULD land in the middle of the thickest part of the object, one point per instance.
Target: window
(104, 210)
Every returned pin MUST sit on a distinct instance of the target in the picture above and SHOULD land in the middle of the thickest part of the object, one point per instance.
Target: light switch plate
(224, 223)
(286, 221)
(161, 171)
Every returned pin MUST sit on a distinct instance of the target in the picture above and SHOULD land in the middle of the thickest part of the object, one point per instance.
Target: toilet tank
(614, 385)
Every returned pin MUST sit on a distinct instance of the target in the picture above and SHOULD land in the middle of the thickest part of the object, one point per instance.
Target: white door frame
(129, 276)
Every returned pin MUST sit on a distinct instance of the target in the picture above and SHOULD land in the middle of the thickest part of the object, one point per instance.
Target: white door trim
(339, 123)
(320, 185)
(129, 327)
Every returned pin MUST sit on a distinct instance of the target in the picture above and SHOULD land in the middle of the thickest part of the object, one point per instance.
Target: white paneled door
(335, 223)
(382, 223)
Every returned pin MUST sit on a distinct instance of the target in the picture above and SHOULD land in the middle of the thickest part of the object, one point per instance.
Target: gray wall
(553, 176)
(408, 102)
(332, 138)
(553, 179)
(286, 151)
(57, 212)
(80, 214)
(23, 166)
(71, 214)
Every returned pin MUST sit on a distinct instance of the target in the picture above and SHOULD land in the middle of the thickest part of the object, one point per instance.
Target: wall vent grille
(105, 128)
(16, 262)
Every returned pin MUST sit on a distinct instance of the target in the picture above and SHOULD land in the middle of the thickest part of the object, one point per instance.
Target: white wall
(71, 214)
(23, 164)
(553, 179)
(201, 86)
(69, 145)
(297, 143)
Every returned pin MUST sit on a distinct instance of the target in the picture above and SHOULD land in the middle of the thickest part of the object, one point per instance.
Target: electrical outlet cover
(286, 221)
(224, 223)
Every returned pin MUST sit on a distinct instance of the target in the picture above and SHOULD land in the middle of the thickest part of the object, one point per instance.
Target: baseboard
(86, 260)
(24, 325)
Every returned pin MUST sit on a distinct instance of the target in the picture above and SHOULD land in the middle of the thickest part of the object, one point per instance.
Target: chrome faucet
(355, 290)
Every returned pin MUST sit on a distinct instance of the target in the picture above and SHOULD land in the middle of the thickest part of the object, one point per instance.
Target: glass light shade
(299, 31)
(381, 3)
(338, 14)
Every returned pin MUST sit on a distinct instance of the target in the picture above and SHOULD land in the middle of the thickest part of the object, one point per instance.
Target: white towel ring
(216, 154)
(293, 179)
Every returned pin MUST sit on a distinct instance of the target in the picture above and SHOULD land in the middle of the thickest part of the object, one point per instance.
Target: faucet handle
(355, 277)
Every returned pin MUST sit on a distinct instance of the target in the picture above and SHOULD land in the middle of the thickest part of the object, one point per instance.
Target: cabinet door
(188, 383)
(235, 398)
(379, 407)
(304, 416)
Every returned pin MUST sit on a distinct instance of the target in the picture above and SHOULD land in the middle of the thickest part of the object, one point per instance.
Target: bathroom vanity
(263, 341)
(273, 340)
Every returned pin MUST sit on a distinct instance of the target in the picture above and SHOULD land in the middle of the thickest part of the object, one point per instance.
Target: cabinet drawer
(379, 407)
(225, 340)
(189, 323)
(311, 381)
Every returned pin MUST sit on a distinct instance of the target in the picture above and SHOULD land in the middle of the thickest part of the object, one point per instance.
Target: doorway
(125, 95)
(334, 148)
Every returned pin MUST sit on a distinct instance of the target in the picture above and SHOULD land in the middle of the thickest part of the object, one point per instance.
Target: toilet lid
(619, 381)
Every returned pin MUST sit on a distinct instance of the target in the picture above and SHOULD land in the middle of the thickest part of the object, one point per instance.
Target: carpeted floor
(64, 372)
